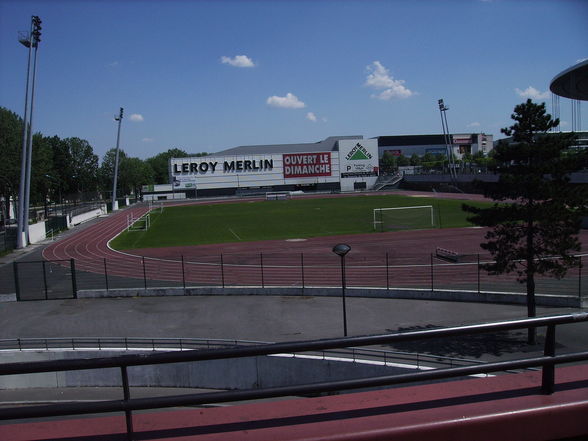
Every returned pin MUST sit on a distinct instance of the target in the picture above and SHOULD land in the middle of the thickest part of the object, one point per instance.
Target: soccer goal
(404, 218)
(138, 224)
(277, 195)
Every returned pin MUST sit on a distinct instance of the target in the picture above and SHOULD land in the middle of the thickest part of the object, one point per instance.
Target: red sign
(394, 152)
(305, 165)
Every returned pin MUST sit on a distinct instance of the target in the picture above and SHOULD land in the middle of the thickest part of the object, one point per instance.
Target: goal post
(404, 218)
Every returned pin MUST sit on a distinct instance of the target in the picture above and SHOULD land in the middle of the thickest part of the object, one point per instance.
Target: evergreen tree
(535, 222)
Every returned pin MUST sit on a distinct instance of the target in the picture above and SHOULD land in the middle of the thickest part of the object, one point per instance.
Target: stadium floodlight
(119, 120)
(29, 40)
(341, 250)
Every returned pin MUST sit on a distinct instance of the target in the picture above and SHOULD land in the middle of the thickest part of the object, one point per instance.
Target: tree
(536, 219)
(160, 164)
(11, 126)
(389, 162)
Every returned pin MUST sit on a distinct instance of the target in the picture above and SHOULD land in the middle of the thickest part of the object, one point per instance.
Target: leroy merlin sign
(358, 158)
(358, 153)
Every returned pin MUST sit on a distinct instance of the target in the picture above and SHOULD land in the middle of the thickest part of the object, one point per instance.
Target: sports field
(289, 219)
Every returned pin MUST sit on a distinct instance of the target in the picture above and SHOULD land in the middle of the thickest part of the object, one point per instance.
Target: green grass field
(287, 219)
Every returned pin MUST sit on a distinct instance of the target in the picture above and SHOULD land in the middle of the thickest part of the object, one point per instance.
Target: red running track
(399, 259)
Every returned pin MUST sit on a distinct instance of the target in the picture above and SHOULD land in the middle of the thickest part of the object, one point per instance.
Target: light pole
(443, 110)
(341, 250)
(30, 40)
(114, 202)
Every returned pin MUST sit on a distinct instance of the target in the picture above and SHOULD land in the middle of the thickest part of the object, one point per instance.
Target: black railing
(547, 362)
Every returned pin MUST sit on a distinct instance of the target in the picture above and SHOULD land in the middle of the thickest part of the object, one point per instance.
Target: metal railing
(159, 344)
(127, 405)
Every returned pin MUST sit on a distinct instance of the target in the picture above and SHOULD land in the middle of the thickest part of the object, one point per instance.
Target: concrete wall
(37, 232)
(393, 293)
(238, 373)
(80, 218)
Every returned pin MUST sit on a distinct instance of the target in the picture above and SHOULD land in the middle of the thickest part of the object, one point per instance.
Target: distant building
(460, 144)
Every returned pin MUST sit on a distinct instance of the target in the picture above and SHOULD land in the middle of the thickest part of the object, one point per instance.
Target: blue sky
(211, 75)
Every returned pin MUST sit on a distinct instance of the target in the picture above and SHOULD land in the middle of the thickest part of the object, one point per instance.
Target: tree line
(68, 169)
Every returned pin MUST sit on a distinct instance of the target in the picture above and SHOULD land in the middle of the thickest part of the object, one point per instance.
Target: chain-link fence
(64, 278)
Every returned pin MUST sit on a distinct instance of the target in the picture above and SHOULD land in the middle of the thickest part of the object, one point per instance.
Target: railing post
(45, 280)
(74, 282)
(144, 273)
(548, 369)
(105, 275)
(261, 266)
(16, 281)
(127, 397)
(183, 275)
(222, 270)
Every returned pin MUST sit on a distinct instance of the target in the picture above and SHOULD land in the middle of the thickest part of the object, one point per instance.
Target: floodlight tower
(443, 109)
(31, 41)
(119, 119)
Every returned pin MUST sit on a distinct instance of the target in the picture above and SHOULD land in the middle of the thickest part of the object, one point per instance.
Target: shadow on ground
(477, 345)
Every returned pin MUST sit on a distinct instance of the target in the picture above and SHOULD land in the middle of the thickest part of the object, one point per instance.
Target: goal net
(404, 218)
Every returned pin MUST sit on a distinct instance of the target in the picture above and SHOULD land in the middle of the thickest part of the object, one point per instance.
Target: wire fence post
(261, 266)
(74, 280)
(183, 275)
(432, 280)
(387, 274)
(106, 274)
(144, 273)
(16, 281)
(45, 280)
(478, 266)
(222, 270)
(580, 281)
(302, 269)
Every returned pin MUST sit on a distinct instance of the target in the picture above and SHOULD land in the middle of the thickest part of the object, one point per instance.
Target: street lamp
(341, 250)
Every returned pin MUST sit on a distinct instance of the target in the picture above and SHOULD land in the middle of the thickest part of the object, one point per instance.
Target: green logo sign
(358, 153)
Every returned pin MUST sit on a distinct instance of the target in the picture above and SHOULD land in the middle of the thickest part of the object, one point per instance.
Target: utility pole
(114, 202)
(31, 41)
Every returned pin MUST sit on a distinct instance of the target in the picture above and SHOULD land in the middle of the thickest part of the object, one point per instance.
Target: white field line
(235, 234)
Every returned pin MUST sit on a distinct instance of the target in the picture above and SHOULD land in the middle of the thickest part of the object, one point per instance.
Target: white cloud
(311, 116)
(474, 124)
(290, 101)
(579, 60)
(238, 61)
(136, 117)
(147, 140)
(379, 78)
(113, 64)
(531, 92)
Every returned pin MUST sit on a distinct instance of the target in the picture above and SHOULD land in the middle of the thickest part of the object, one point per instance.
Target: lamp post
(341, 250)
(31, 41)
(114, 202)
(443, 110)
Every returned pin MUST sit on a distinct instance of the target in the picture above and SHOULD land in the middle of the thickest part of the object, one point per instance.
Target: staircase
(387, 181)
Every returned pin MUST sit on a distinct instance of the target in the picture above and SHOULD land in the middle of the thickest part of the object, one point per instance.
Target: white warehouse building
(338, 163)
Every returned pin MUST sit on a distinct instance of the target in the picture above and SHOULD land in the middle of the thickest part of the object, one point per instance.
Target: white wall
(37, 232)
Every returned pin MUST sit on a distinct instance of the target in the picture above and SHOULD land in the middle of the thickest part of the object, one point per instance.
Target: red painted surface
(506, 407)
